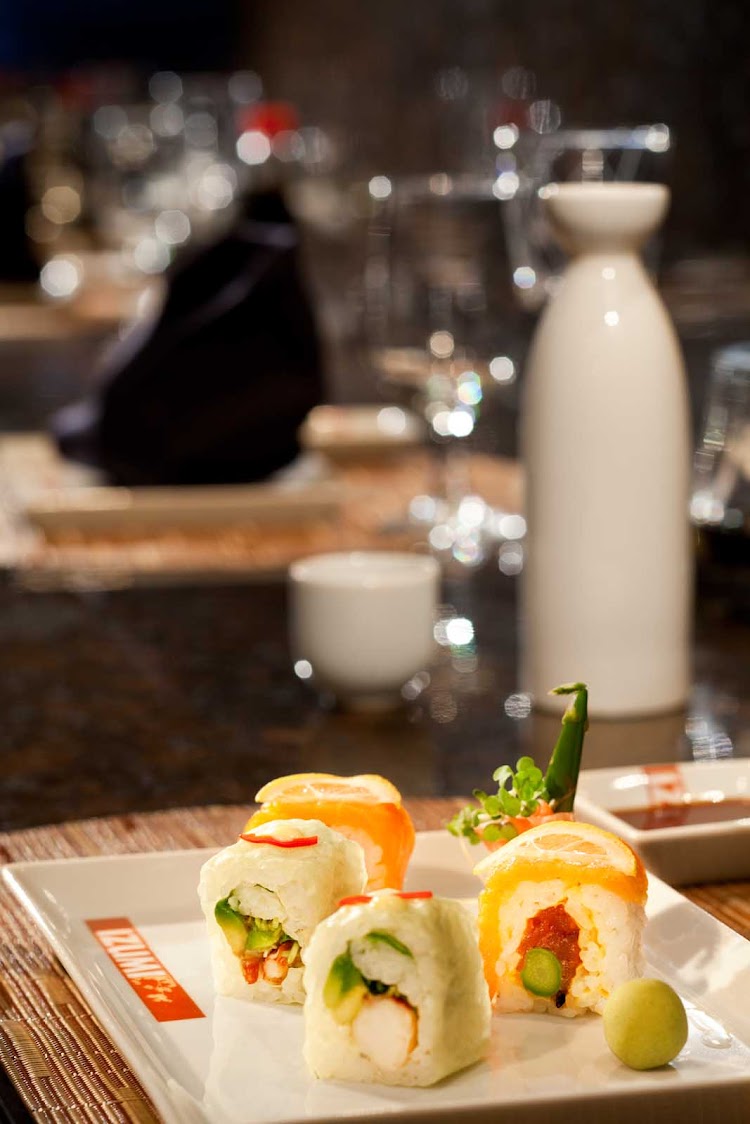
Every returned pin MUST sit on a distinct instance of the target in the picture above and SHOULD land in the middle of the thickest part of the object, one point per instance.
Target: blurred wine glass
(720, 501)
(435, 285)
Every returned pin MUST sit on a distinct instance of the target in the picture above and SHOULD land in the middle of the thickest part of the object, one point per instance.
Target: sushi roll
(561, 918)
(365, 808)
(262, 898)
(395, 991)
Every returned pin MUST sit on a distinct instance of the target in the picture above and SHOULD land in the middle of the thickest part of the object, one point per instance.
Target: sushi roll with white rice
(561, 918)
(395, 991)
(262, 898)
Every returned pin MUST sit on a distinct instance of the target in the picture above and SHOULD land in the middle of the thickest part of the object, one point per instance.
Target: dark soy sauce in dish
(687, 814)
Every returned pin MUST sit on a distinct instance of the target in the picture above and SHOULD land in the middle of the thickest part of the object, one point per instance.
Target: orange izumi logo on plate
(153, 984)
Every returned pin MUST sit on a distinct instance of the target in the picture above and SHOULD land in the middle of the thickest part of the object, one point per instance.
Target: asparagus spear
(561, 777)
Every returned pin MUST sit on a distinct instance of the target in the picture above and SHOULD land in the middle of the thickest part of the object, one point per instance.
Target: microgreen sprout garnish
(489, 821)
(500, 816)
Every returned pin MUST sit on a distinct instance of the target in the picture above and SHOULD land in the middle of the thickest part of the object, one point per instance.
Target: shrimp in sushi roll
(395, 991)
(561, 918)
(262, 898)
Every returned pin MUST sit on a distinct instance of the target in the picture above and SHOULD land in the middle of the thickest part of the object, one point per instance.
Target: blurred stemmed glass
(720, 501)
(165, 166)
(435, 283)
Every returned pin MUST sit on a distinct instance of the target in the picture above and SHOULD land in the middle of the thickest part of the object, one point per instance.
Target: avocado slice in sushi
(380, 936)
(344, 990)
(232, 925)
(263, 937)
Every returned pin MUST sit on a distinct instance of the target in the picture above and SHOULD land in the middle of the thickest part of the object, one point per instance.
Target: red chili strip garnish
(415, 894)
(300, 841)
(356, 899)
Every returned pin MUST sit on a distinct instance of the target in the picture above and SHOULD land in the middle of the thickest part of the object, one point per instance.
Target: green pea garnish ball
(645, 1024)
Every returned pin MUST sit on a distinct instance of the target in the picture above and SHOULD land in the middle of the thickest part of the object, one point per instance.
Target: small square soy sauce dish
(689, 821)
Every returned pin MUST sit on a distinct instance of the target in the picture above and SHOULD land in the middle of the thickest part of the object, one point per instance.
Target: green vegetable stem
(518, 794)
(542, 972)
(561, 778)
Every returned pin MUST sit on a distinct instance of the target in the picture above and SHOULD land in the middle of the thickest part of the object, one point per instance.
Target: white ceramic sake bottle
(607, 585)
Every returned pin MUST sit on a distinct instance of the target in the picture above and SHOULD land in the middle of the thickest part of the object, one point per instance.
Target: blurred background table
(144, 698)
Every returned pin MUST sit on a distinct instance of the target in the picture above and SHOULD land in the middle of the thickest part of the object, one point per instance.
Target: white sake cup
(361, 623)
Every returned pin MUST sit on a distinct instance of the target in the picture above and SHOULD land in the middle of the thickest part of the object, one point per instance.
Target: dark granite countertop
(144, 699)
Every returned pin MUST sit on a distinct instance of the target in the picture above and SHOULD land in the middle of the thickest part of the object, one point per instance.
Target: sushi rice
(575, 894)
(609, 945)
(294, 886)
(424, 1009)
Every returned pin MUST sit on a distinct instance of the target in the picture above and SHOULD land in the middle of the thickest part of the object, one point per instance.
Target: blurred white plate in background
(356, 431)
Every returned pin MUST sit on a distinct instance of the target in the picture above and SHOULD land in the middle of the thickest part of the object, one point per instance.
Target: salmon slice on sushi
(262, 898)
(365, 808)
(561, 918)
(395, 991)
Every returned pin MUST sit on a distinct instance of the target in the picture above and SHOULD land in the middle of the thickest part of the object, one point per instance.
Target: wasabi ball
(645, 1024)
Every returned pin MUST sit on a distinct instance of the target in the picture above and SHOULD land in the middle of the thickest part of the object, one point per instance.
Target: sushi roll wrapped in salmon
(262, 898)
(365, 808)
(395, 991)
(561, 918)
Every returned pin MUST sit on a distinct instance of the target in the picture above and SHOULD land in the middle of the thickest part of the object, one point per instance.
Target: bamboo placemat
(62, 1063)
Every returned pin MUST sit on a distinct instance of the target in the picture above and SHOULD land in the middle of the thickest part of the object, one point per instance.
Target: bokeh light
(511, 527)
(518, 706)
(440, 184)
(151, 256)
(391, 420)
(201, 130)
(380, 187)
(165, 86)
(505, 136)
(510, 558)
(244, 87)
(172, 226)
(506, 185)
(253, 147)
(459, 631)
(441, 344)
(524, 277)
(61, 276)
(109, 120)
(167, 120)
(469, 388)
(657, 138)
(61, 204)
(502, 368)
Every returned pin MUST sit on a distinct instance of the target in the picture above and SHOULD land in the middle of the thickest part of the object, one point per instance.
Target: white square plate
(691, 853)
(242, 1062)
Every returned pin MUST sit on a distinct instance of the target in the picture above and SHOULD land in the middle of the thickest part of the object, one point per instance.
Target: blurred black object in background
(54, 35)
(17, 262)
(214, 390)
